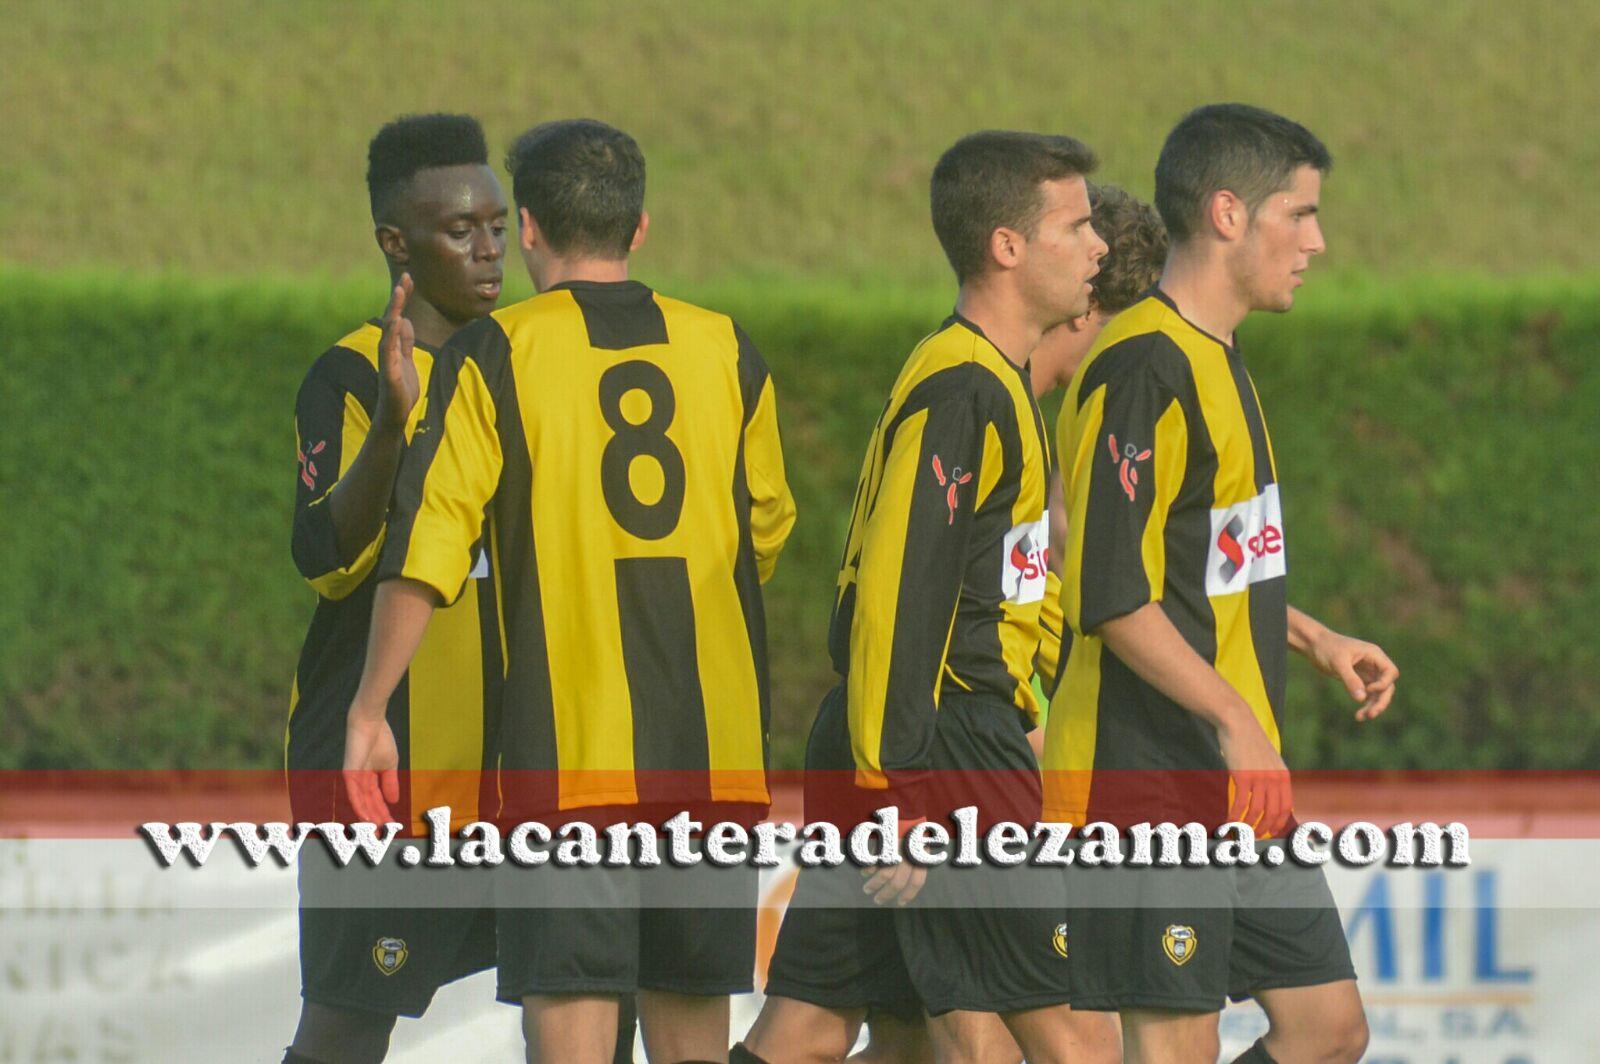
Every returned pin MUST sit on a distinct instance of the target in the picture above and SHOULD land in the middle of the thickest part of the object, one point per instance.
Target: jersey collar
(1157, 293)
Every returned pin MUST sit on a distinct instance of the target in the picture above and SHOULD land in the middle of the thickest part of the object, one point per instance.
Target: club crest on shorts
(390, 955)
(1178, 942)
(1058, 941)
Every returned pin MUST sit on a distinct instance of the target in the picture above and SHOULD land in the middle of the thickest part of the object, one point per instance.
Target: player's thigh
(1315, 1023)
(1165, 1036)
(570, 1028)
(683, 1026)
(895, 1040)
(790, 1031)
(1062, 1033)
(962, 1036)
(327, 1033)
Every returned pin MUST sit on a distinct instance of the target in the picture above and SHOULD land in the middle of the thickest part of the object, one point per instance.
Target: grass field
(1436, 440)
(784, 140)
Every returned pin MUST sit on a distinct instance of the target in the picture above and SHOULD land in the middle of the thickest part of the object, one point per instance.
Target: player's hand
(1363, 668)
(1261, 793)
(371, 763)
(900, 883)
(399, 386)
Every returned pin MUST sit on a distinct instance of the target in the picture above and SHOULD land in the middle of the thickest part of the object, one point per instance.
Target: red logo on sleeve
(951, 483)
(308, 467)
(1126, 458)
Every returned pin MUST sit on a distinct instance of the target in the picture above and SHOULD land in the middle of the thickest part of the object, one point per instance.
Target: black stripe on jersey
(1253, 419)
(746, 575)
(981, 663)
(494, 666)
(658, 654)
(314, 545)
(618, 314)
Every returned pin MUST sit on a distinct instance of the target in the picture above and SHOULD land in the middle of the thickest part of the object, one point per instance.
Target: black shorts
(983, 939)
(617, 930)
(1188, 938)
(388, 959)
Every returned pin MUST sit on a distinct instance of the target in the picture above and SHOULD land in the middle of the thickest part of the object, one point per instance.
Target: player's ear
(528, 230)
(392, 242)
(1229, 215)
(1005, 247)
(639, 232)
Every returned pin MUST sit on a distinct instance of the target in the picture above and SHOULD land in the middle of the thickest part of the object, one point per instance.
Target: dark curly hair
(419, 142)
(1137, 247)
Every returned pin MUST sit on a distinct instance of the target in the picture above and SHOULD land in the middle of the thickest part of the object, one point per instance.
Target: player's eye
(460, 234)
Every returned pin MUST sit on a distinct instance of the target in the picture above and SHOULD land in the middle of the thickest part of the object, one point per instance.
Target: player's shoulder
(350, 364)
(1144, 342)
(957, 363)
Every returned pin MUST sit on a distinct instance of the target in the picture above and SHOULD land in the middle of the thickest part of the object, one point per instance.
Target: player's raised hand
(399, 386)
(1364, 669)
(371, 763)
(1261, 794)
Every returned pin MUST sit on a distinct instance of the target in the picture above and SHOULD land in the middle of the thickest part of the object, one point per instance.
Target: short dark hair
(1246, 150)
(1136, 243)
(991, 179)
(583, 182)
(419, 142)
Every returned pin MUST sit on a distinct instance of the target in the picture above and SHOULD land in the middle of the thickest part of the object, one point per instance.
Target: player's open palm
(1261, 794)
(399, 386)
(371, 764)
(1363, 668)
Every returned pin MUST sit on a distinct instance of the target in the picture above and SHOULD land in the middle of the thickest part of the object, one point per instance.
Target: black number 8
(646, 520)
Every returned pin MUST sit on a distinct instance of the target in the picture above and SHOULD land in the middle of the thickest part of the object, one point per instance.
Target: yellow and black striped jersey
(945, 564)
(444, 712)
(625, 448)
(1172, 497)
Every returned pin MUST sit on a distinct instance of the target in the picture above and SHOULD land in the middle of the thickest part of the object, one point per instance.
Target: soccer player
(1175, 589)
(934, 633)
(622, 449)
(1136, 247)
(440, 221)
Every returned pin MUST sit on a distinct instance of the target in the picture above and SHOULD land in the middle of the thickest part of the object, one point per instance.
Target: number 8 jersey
(623, 449)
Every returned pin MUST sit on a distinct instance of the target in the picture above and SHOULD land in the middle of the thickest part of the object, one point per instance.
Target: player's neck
(556, 271)
(430, 327)
(1200, 285)
(1003, 318)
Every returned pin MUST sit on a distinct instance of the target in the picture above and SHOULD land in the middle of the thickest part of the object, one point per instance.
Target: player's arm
(446, 480)
(338, 528)
(772, 509)
(913, 558)
(1363, 668)
(1129, 448)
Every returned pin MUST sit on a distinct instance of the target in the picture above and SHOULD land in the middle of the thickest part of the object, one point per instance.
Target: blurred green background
(183, 228)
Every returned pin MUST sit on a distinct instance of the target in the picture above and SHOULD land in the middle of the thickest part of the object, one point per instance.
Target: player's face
(1282, 239)
(455, 233)
(1063, 254)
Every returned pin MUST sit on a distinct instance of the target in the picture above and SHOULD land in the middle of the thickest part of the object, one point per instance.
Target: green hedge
(1437, 441)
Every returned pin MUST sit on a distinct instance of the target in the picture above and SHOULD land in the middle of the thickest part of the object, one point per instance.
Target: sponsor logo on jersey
(1058, 941)
(1025, 561)
(950, 483)
(1246, 544)
(390, 955)
(308, 465)
(1127, 458)
(1178, 942)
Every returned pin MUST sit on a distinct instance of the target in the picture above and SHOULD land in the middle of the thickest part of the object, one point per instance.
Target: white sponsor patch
(1024, 561)
(480, 568)
(1246, 544)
